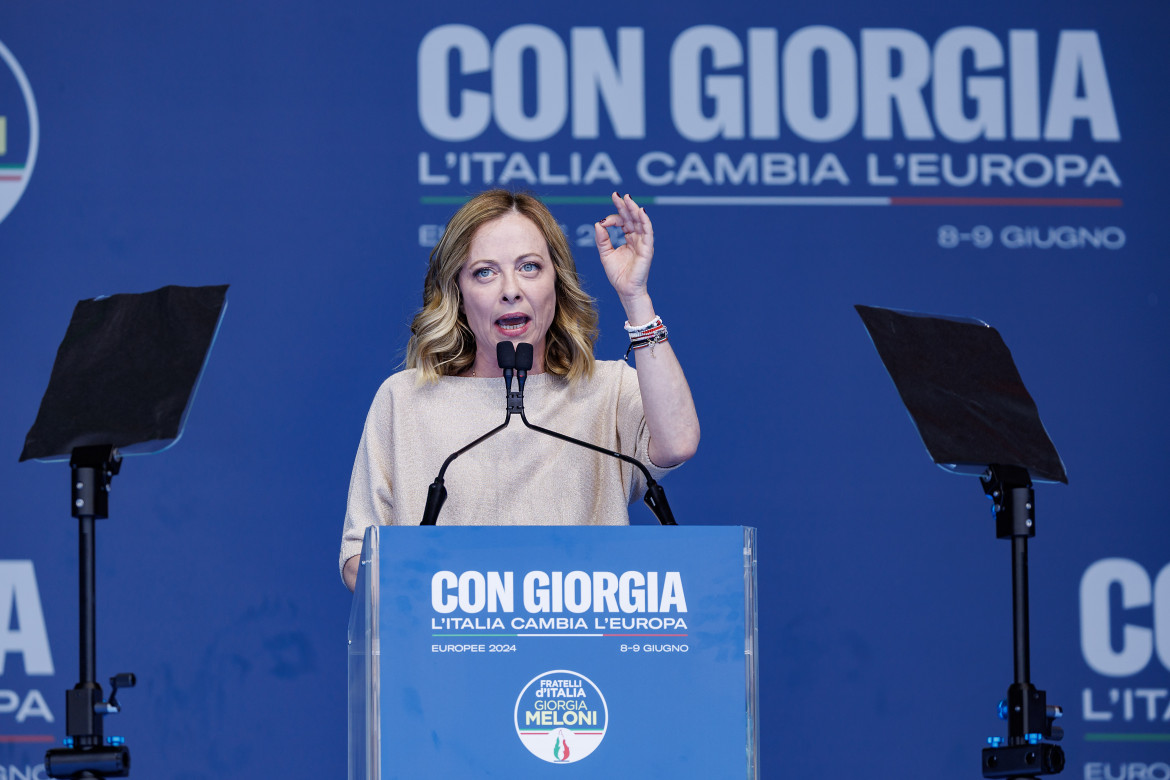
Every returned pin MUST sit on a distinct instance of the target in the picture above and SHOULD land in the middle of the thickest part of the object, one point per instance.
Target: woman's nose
(511, 287)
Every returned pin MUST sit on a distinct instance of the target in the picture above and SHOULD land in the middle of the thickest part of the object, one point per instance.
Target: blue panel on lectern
(612, 651)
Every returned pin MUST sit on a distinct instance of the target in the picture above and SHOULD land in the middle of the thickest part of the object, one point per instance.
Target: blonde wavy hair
(441, 342)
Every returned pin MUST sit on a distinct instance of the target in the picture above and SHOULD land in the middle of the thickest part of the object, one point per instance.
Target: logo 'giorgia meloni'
(561, 716)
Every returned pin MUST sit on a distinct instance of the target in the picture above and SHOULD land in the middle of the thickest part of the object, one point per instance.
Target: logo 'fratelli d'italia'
(19, 132)
(561, 716)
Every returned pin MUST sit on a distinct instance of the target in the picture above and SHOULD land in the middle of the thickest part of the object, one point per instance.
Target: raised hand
(627, 266)
(666, 398)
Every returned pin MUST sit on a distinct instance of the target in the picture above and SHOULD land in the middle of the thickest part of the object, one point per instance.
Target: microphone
(523, 357)
(523, 364)
(655, 496)
(506, 359)
(437, 492)
(520, 358)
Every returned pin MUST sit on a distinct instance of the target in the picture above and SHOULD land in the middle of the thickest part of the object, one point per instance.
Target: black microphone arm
(519, 358)
(437, 492)
(655, 495)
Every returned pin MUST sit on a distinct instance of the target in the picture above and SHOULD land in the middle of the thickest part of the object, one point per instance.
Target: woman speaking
(503, 271)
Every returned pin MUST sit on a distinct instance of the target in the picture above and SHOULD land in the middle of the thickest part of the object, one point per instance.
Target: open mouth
(512, 322)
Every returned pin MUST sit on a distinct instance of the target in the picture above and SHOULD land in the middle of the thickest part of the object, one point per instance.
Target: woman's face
(508, 285)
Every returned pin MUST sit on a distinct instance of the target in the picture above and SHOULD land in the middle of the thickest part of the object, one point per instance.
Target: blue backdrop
(1004, 163)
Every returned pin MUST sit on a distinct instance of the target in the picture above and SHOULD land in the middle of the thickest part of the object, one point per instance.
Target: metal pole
(1020, 609)
(87, 625)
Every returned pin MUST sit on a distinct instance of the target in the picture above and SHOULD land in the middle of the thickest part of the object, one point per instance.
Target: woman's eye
(530, 267)
(481, 273)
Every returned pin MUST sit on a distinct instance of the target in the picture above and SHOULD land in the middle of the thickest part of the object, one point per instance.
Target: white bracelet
(633, 330)
(655, 333)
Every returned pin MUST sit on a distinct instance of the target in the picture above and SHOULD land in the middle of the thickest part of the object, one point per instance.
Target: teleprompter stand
(961, 388)
(87, 753)
(123, 381)
(1030, 719)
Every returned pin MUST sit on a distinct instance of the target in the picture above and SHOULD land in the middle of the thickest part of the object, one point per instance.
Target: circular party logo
(19, 132)
(561, 716)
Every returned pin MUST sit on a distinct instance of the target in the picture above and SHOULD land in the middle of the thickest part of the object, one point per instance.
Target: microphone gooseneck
(518, 358)
(655, 497)
(437, 492)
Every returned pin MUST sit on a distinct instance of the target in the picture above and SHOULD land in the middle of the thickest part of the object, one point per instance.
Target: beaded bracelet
(653, 332)
(635, 331)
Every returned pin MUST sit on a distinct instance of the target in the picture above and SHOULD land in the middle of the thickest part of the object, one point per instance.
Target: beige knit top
(517, 477)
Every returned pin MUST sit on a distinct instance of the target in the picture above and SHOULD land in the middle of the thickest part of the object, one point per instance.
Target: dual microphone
(516, 361)
(514, 357)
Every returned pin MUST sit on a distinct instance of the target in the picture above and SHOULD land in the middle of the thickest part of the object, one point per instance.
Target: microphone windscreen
(523, 356)
(506, 354)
